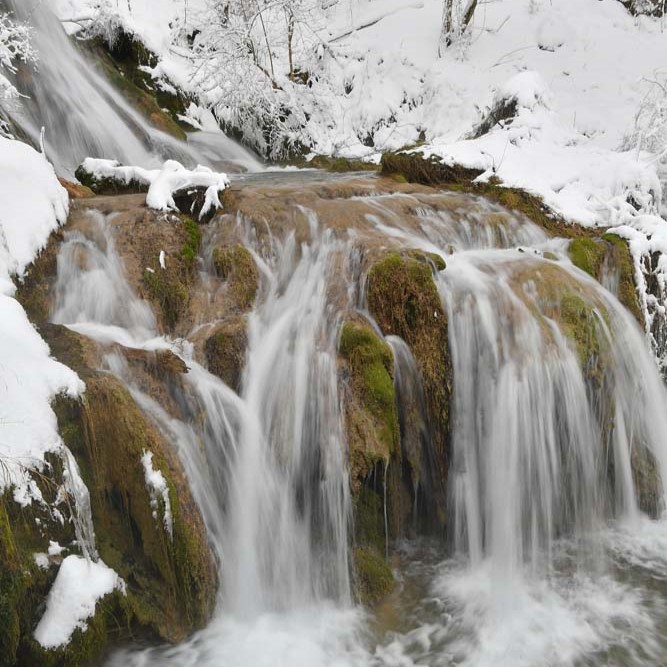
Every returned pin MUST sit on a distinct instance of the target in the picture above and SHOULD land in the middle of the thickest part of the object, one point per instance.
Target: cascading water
(84, 116)
(545, 529)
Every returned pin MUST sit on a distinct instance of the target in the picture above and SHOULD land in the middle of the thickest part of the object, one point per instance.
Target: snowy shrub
(649, 131)
(456, 17)
(14, 47)
(104, 22)
(646, 7)
(254, 62)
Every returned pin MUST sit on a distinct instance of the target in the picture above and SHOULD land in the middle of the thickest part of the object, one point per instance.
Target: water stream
(547, 562)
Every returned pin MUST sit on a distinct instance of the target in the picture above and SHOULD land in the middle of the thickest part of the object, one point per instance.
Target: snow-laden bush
(649, 131)
(646, 7)
(15, 47)
(253, 62)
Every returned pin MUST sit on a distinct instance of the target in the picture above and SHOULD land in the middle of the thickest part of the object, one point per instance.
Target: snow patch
(163, 183)
(158, 490)
(73, 597)
(33, 205)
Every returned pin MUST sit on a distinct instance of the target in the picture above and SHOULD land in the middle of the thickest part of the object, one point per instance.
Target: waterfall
(545, 518)
(84, 116)
(267, 466)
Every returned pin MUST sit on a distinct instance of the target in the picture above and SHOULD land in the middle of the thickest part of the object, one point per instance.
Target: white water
(84, 116)
(549, 564)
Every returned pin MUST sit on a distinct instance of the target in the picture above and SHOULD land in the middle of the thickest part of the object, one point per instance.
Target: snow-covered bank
(33, 205)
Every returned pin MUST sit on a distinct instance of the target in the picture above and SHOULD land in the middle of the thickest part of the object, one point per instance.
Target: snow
(33, 205)
(158, 490)
(163, 183)
(73, 597)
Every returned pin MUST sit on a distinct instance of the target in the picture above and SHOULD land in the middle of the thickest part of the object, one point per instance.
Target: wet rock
(236, 266)
(225, 350)
(403, 299)
(373, 575)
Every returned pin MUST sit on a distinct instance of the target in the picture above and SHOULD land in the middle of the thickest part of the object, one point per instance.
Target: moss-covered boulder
(404, 300)
(170, 574)
(225, 350)
(236, 266)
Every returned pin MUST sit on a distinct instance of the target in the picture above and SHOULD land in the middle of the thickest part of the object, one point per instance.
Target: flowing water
(548, 559)
(547, 562)
(84, 116)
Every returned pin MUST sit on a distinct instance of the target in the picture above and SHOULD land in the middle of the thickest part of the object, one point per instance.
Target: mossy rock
(34, 290)
(171, 580)
(608, 253)
(24, 586)
(370, 409)
(225, 350)
(111, 618)
(588, 254)
(416, 168)
(374, 577)
(169, 288)
(236, 266)
(404, 300)
(337, 165)
(646, 477)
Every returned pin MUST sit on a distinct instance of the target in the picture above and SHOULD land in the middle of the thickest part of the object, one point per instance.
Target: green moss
(369, 526)
(627, 291)
(587, 254)
(579, 322)
(11, 590)
(190, 248)
(374, 577)
(108, 186)
(169, 292)
(236, 265)
(432, 258)
(371, 366)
